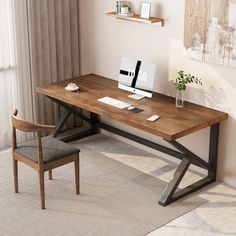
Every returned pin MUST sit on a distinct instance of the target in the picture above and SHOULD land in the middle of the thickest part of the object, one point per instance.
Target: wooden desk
(173, 124)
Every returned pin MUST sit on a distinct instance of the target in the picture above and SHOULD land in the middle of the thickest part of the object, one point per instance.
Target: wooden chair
(42, 154)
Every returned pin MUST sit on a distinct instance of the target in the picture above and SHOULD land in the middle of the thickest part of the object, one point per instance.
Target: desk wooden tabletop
(173, 124)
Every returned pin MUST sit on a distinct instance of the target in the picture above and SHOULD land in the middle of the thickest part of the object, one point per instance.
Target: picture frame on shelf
(145, 10)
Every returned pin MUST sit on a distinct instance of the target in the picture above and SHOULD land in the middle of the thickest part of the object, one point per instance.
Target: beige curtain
(54, 48)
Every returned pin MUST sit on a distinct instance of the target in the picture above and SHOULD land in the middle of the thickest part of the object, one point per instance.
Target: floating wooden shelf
(137, 18)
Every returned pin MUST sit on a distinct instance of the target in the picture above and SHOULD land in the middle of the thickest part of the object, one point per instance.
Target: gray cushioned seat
(53, 149)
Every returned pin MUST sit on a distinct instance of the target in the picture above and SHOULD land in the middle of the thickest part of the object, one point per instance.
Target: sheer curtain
(15, 79)
(8, 92)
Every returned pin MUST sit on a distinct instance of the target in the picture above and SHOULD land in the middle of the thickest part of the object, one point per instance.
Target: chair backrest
(27, 126)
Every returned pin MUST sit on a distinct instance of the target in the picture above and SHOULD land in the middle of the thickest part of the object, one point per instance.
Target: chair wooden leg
(15, 170)
(50, 174)
(77, 176)
(42, 190)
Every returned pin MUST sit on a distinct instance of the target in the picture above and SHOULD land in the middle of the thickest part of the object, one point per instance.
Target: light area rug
(115, 200)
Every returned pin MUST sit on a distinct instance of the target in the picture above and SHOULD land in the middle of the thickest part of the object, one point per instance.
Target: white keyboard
(114, 102)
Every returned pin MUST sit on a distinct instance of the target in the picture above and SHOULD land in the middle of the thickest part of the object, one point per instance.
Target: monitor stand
(136, 96)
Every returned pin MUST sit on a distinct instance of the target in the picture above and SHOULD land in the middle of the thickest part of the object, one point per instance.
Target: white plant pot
(124, 10)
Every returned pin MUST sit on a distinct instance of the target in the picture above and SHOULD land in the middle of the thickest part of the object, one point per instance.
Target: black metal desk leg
(170, 194)
(61, 122)
(213, 151)
(166, 197)
(94, 122)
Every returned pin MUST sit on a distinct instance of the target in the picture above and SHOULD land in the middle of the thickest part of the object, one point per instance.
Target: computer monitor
(136, 76)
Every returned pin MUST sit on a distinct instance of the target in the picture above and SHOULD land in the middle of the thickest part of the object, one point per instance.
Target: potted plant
(124, 8)
(180, 84)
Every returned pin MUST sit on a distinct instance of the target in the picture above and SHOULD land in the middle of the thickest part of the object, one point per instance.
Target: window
(6, 35)
(7, 73)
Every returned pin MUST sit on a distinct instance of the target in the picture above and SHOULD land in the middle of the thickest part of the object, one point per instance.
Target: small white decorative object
(145, 10)
(71, 87)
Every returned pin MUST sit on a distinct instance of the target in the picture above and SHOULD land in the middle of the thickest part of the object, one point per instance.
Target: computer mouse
(130, 108)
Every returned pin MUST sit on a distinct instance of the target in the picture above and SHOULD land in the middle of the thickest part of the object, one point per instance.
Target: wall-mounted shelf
(137, 18)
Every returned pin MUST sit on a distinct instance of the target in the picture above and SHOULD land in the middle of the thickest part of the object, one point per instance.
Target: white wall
(104, 40)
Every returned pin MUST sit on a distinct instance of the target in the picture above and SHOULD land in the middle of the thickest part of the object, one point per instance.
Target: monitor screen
(136, 76)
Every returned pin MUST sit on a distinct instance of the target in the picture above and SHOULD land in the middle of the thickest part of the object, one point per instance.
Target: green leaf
(183, 79)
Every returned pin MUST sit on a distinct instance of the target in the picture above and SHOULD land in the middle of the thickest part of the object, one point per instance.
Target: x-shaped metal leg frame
(170, 194)
(69, 110)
